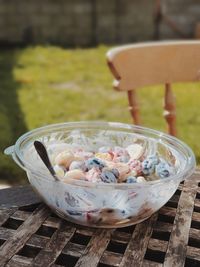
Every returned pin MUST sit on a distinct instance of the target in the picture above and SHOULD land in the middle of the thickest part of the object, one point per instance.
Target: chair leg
(134, 106)
(170, 110)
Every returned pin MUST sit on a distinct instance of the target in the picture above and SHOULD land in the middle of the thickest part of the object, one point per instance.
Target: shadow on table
(12, 123)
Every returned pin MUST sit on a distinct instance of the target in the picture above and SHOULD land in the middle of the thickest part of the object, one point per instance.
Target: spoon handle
(42, 152)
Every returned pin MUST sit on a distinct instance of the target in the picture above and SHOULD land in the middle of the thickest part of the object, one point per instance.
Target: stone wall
(180, 18)
(90, 22)
(75, 22)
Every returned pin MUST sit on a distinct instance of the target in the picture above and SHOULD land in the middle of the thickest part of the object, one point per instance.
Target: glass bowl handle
(10, 151)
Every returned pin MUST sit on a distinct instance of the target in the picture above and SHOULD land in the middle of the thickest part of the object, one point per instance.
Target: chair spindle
(134, 106)
(170, 109)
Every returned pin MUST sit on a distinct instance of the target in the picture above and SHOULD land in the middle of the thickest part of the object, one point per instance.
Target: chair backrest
(139, 65)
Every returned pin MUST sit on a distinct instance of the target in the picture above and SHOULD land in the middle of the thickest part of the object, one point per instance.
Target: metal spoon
(42, 152)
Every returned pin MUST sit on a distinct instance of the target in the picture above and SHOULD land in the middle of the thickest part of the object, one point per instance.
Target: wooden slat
(85, 231)
(197, 202)
(21, 215)
(20, 261)
(5, 214)
(162, 226)
(194, 233)
(176, 252)
(53, 248)
(111, 258)
(196, 216)
(147, 263)
(159, 245)
(168, 211)
(18, 196)
(198, 193)
(74, 250)
(121, 237)
(193, 253)
(95, 249)
(6, 233)
(180, 187)
(23, 233)
(136, 248)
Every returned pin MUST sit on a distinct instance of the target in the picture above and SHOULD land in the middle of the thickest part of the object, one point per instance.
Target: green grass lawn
(43, 85)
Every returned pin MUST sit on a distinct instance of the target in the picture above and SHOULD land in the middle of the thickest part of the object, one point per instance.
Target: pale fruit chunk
(65, 158)
(59, 171)
(103, 156)
(122, 168)
(141, 179)
(74, 174)
(135, 151)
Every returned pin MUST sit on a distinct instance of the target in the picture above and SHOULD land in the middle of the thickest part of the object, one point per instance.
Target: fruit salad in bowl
(109, 174)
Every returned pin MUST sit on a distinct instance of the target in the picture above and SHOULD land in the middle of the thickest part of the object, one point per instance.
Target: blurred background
(53, 67)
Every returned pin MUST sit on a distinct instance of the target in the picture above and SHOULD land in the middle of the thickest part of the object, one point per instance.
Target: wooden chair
(140, 65)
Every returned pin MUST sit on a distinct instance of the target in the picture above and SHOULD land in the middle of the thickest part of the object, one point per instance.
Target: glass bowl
(106, 205)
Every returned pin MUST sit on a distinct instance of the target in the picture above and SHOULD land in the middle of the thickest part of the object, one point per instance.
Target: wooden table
(31, 235)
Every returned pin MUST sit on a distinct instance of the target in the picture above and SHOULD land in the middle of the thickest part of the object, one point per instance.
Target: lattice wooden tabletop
(31, 235)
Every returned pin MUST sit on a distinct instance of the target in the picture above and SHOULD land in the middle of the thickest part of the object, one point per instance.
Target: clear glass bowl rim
(189, 166)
